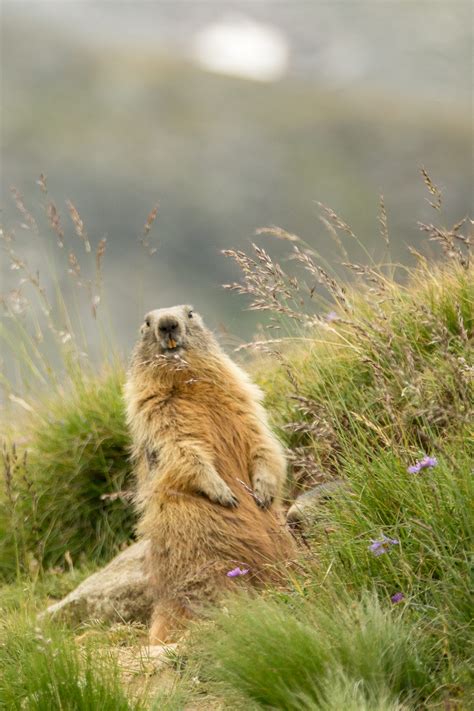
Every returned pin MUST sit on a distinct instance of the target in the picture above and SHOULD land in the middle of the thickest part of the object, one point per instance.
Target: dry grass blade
(42, 183)
(269, 287)
(383, 221)
(8, 467)
(20, 204)
(94, 300)
(336, 220)
(78, 225)
(371, 275)
(100, 254)
(144, 241)
(262, 346)
(432, 189)
(124, 495)
(339, 224)
(55, 222)
(74, 267)
(419, 257)
(462, 329)
(21, 402)
(278, 232)
(323, 278)
(333, 233)
(150, 220)
(447, 238)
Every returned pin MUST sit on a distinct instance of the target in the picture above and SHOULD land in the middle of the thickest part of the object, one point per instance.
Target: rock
(307, 507)
(117, 593)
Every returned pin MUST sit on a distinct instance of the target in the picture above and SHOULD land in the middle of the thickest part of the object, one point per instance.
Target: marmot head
(174, 330)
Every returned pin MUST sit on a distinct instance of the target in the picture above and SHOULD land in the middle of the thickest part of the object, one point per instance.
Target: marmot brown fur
(209, 470)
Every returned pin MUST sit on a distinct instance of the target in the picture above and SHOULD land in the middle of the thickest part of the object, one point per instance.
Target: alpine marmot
(209, 470)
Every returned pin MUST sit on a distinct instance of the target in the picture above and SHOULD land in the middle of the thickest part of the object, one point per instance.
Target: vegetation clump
(376, 390)
(67, 494)
(370, 384)
(43, 668)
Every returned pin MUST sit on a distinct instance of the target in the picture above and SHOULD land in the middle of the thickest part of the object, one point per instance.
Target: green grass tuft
(44, 669)
(303, 656)
(52, 511)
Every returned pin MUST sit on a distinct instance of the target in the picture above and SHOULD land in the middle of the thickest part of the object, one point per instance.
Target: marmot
(209, 470)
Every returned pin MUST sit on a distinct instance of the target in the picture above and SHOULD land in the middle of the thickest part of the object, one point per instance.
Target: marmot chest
(223, 426)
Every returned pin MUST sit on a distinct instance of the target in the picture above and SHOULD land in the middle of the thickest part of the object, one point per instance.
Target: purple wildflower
(397, 597)
(425, 463)
(382, 545)
(236, 572)
(331, 316)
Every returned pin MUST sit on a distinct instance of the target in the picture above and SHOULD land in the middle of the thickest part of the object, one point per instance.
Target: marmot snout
(173, 330)
(209, 470)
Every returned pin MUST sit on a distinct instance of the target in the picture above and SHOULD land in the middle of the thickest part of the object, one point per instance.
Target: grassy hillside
(367, 381)
(380, 612)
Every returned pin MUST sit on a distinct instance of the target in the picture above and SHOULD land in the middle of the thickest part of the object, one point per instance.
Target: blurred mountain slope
(117, 129)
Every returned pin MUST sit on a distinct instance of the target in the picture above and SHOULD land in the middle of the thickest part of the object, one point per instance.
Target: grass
(298, 656)
(361, 396)
(43, 669)
(65, 495)
(336, 628)
(395, 370)
(67, 502)
(373, 375)
(33, 592)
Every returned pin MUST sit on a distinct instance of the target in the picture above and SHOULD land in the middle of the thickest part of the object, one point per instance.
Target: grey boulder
(117, 593)
(307, 508)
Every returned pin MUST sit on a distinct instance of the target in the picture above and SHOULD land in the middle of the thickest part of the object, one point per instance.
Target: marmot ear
(145, 325)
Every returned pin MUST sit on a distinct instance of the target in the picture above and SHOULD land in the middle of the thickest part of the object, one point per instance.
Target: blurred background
(229, 116)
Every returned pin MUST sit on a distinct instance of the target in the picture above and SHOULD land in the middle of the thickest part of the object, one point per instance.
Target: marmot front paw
(224, 496)
(264, 489)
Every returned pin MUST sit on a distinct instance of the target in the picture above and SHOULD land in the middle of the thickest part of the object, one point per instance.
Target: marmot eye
(147, 322)
(190, 314)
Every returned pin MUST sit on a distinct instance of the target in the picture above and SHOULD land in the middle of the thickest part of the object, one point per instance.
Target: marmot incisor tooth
(209, 470)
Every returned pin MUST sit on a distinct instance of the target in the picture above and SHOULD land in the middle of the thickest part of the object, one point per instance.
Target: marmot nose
(167, 326)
